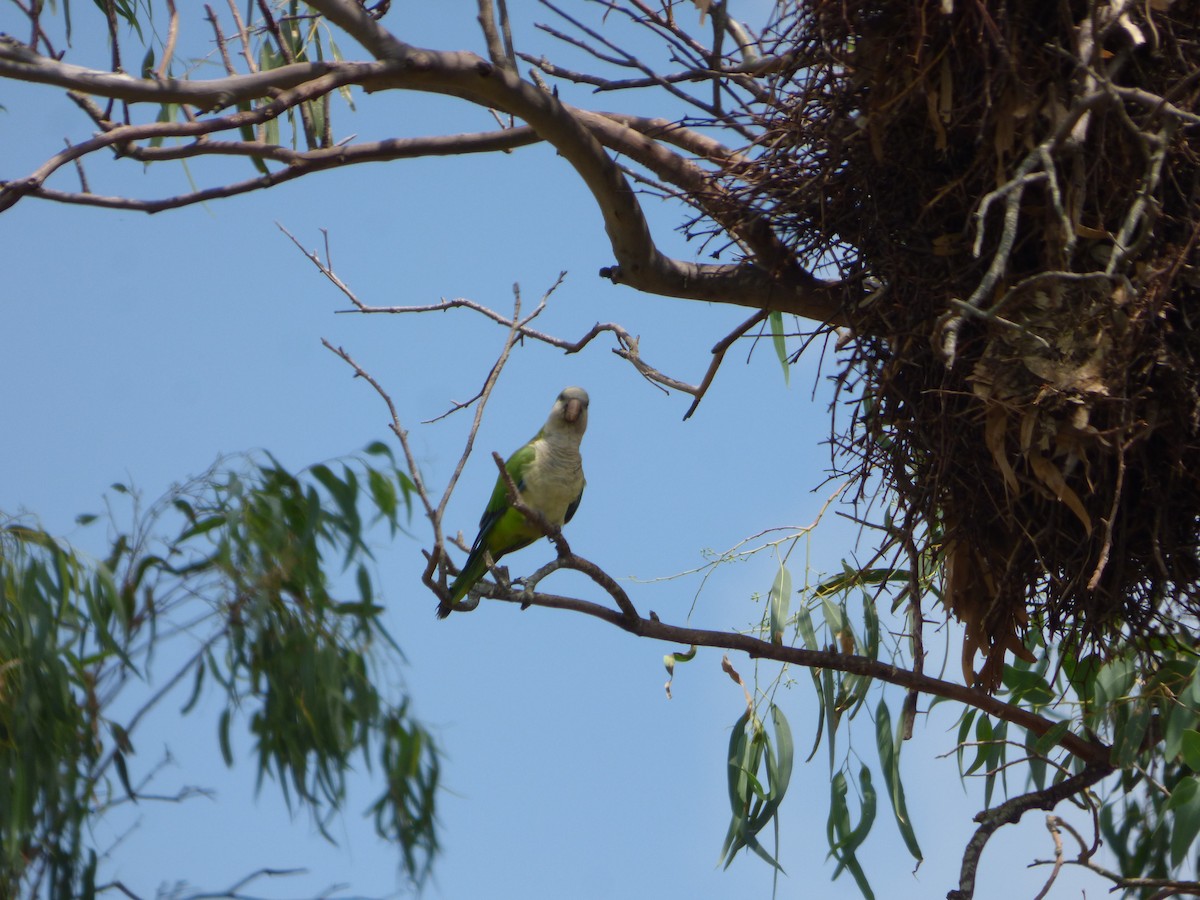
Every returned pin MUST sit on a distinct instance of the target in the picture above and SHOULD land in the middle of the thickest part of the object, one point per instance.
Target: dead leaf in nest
(983, 378)
(971, 646)
(947, 244)
(1028, 423)
(1090, 234)
(946, 99)
(970, 592)
(933, 106)
(1011, 110)
(1084, 378)
(994, 432)
(1047, 473)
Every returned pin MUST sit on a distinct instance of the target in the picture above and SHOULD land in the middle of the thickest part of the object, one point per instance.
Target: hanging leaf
(889, 763)
(775, 323)
(669, 662)
(779, 599)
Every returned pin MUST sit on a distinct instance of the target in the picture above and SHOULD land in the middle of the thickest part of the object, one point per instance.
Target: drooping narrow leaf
(995, 761)
(738, 801)
(853, 839)
(780, 598)
(775, 323)
(838, 822)
(223, 736)
(1127, 740)
(805, 626)
(835, 620)
(871, 618)
(123, 774)
(831, 715)
(1037, 763)
(983, 744)
(889, 762)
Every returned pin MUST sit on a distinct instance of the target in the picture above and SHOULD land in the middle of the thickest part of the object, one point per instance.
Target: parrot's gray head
(570, 411)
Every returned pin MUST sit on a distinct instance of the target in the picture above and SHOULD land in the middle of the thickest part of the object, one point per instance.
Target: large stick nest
(1017, 182)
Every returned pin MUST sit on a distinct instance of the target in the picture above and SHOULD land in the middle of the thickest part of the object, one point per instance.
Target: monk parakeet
(548, 473)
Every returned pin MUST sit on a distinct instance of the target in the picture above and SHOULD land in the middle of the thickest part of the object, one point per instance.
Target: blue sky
(140, 348)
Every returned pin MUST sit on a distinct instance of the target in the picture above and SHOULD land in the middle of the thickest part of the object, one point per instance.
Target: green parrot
(548, 473)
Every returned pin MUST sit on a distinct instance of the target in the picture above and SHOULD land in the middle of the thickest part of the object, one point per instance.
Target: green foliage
(1149, 708)
(759, 770)
(889, 762)
(269, 575)
(1144, 704)
(841, 696)
(826, 622)
(845, 839)
(57, 621)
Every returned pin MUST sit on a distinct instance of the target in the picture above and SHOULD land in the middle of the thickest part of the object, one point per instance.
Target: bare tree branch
(773, 280)
(627, 349)
(20, 63)
(1094, 752)
(1011, 811)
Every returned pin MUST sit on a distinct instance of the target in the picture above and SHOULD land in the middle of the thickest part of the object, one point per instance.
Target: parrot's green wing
(516, 467)
(498, 533)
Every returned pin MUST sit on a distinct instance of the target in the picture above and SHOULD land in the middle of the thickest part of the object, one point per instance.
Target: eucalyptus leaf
(780, 597)
(1185, 822)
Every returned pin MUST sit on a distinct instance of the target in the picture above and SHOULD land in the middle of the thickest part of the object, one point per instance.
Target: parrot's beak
(573, 410)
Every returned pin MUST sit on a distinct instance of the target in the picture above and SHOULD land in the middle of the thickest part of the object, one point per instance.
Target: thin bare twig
(1052, 823)
(401, 435)
(627, 349)
(498, 52)
(1094, 752)
(1167, 887)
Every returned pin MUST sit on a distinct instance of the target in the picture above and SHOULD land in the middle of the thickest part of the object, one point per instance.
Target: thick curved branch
(1093, 752)
(341, 74)
(20, 63)
(1011, 811)
(772, 280)
(350, 154)
(640, 264)
(774, 272)
(299, 163)
(777, 284)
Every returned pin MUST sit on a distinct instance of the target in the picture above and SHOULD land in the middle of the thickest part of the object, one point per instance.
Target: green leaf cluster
(267, 576)
(759, 771)
(757, 777)
(61, 623)
(1149, 708)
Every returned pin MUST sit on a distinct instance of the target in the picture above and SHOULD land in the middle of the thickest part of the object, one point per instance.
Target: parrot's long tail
(475, 566)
